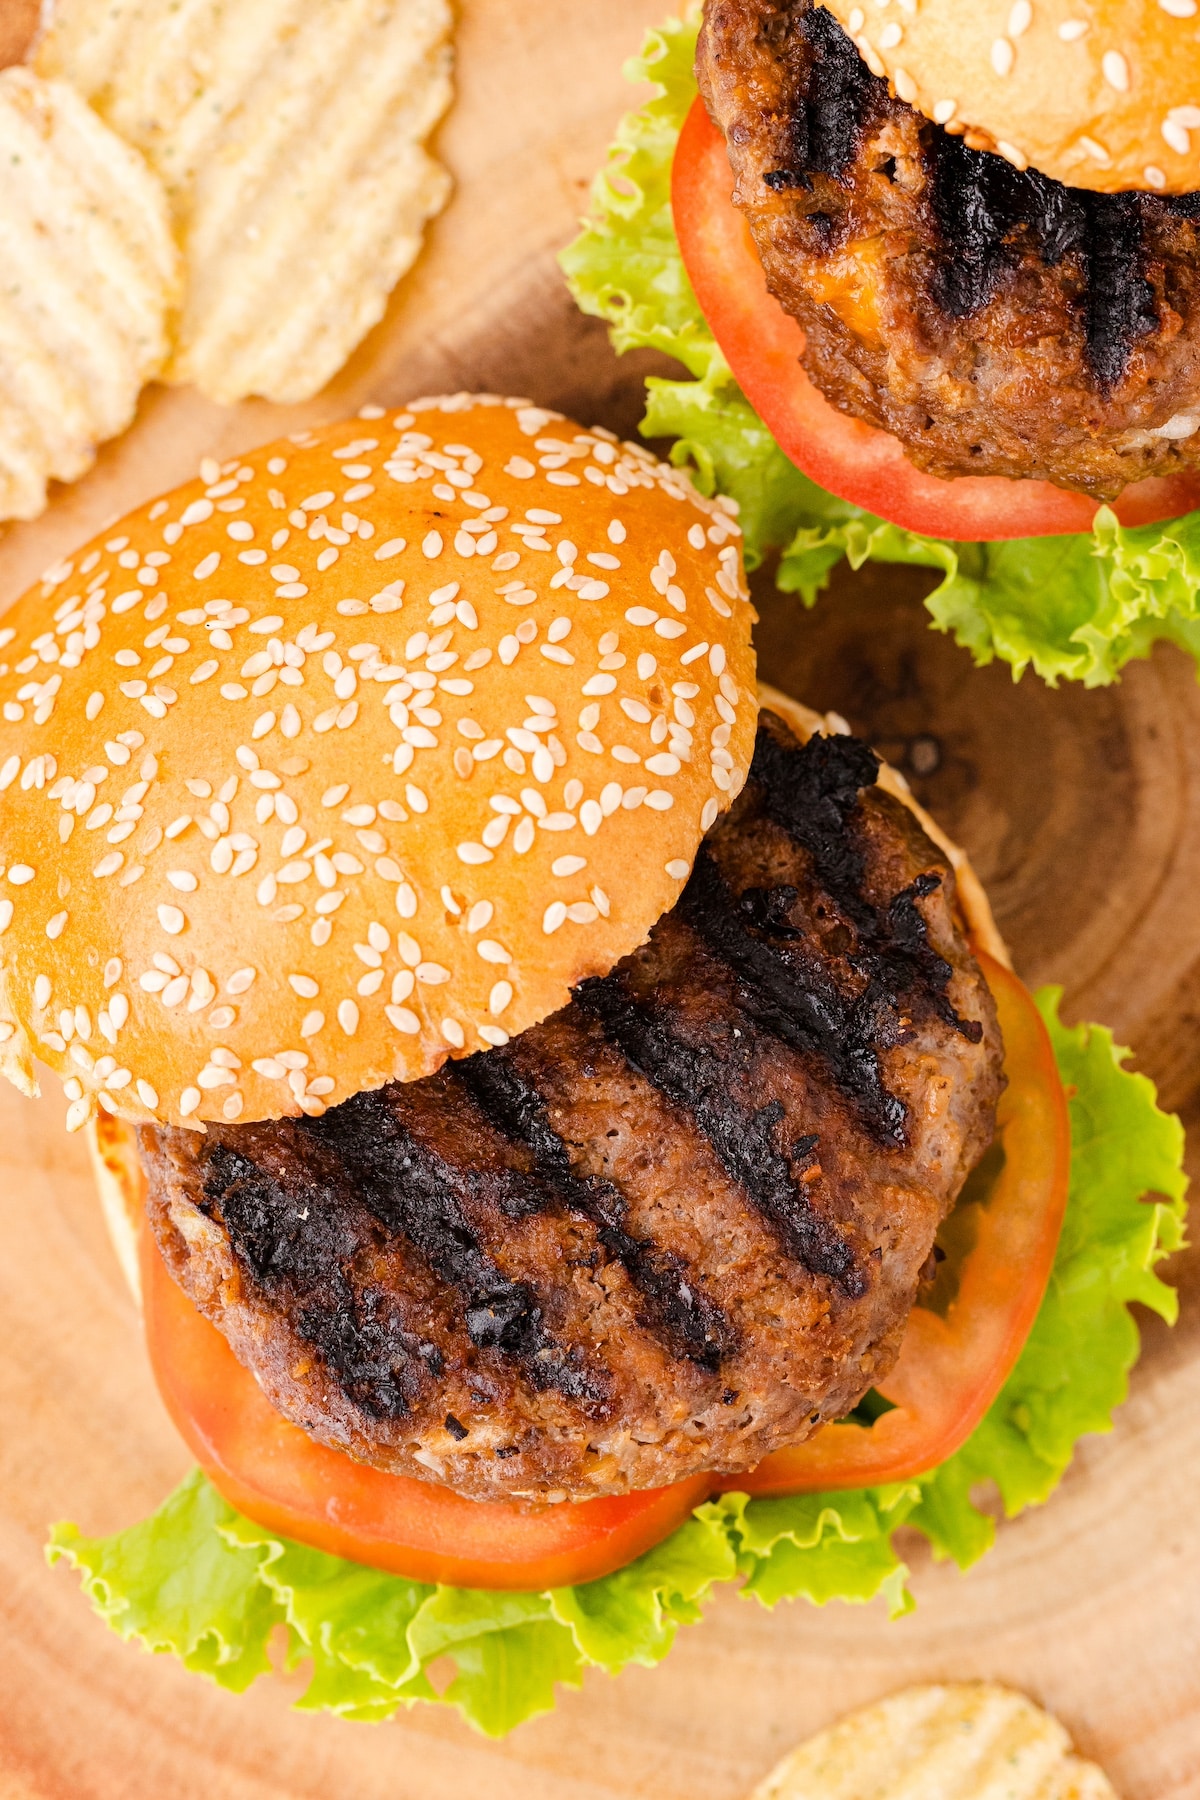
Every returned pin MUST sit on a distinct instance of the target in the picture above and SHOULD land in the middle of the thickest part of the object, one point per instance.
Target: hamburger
(934, 270)
(544, 1097)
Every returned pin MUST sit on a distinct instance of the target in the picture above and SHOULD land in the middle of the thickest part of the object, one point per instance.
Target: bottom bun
(116, 1162)
(117, 1167)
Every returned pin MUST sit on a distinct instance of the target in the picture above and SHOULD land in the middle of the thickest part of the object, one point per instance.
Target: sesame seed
(1116, 70)
(1020, 18)
(1003, 56)
(1179, 9)
(78, 1114)
(493, 1035)
(677, 869)
(1097, 150)
(1071, 30)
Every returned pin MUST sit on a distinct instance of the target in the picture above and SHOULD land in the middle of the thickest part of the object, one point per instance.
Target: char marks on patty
(670, 1229)
(995, 321)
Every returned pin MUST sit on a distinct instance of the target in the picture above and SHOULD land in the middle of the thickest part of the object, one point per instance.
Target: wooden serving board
(1082, 811)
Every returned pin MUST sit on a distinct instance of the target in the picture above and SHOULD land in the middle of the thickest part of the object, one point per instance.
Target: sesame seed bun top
(355, 754)
(1101, 94)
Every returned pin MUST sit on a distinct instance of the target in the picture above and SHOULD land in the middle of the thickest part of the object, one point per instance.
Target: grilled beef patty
(675, 1226)
(995, 321)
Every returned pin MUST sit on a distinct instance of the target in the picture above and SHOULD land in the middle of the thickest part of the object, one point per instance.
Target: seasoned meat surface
(675, 1226)
(993, 320)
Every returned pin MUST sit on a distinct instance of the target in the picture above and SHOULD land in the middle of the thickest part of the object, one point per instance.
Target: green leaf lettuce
(200, 1580)
(1076, 607)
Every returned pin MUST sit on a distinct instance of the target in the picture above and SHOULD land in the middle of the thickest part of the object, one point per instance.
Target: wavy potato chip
(91, 273)
(289, 135)
(965, 1741)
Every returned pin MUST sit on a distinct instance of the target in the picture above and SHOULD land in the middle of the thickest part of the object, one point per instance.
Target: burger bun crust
(1100, 94)
(356, 753)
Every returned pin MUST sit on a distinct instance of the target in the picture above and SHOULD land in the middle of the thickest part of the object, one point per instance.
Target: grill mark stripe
(812, 792)
(745, 1140)
(1121, 305)
(676, 1310)
(412, 1189)
(296, 1237)
(825, 127)
(785, 989)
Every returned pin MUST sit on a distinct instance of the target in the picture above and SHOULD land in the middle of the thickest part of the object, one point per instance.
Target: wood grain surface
(1082, 812)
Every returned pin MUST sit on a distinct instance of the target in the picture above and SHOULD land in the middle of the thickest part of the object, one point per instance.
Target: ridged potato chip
(289, 134)
(91, 273)
(966, 1741)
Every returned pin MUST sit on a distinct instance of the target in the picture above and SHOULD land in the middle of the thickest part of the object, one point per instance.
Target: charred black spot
(984, 209)
(826, 122)
(299, 1247)
(703, 1082)
(812, 790)
(458, 1431)
(674, 1306)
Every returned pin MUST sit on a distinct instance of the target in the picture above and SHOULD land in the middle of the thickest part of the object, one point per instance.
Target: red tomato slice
(856, 461)
(951, 1368)
(275, 1474)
